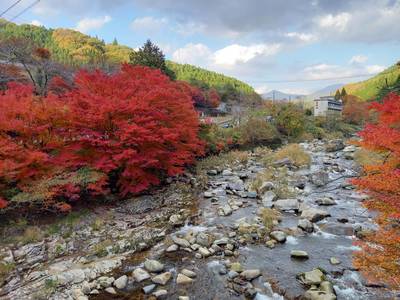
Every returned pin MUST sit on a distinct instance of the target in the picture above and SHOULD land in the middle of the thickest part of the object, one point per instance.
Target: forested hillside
(370, 89)
(77, 49)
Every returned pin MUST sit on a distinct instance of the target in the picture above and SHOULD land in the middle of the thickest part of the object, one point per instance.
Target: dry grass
(279, 178)
(268, 216)
(295, 153)
(223, 160)
(31, 234)
(364, 157)
(5, 269)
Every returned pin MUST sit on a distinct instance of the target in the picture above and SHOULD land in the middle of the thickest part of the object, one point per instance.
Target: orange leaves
(381, 250)
(3, 203)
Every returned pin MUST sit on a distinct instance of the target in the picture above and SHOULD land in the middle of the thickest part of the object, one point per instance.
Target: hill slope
(278, 95)
(369, 89)
(74, 48)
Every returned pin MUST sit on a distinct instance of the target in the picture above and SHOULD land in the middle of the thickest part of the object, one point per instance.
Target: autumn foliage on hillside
(122, 132)
(381, 251)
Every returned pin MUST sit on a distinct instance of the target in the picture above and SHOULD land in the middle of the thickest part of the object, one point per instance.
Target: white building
(327, 105)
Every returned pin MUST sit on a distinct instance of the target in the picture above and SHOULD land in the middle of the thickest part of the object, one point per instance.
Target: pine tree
(150, 55)
(343, 93)
(338, 96)
(115, 42)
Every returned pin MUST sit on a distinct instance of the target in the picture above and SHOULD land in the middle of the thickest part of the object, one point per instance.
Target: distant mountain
(326, 91)
(369, 89)
(278, 95)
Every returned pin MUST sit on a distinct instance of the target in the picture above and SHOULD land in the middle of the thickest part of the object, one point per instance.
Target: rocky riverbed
(225, 239)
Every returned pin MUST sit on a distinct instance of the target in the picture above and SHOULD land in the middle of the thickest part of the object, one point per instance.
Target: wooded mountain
(370, 89)
(76, 49)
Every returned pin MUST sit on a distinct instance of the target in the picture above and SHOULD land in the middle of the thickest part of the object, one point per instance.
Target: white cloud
(88, 24)
(36, 23)
(358, 59)
(303, 37)
(148, 24)
(262, 89)
(238, 54)
(196, 54)
(339, 21)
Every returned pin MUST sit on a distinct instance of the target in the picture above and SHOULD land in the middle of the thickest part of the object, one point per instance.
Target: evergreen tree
(150, 55)
(338, 96)
(343, 93)
(115, 42)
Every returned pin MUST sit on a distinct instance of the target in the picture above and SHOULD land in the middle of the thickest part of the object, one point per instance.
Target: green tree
(343, 94)
(150, 55)
(338, 95)
(115, 42)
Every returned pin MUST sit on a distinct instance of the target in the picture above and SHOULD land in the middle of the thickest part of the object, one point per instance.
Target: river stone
(312, 277)
(160, 293)
(306, 225)
(250, 274)
(226, 210)
(183, 298)
(287, 204)
(334, 261)
(268, 198)
(334, 145)
(325, 201)
(320, 178)
(266, 186)
(299, 254)
(237, 185)
(203, 239)
(314, 214)
(251, 194)
(176, 220)
(181, 242)
(86, 288)
(204, 252)
(153, 266)
(316, 294)
(278, 236)
(233, 274)
(212, 172)
(208, 194)
(139, 275)
(327, 287)
(121, 282)
(111, 290)
(227, 173)
(105, 281)
(162, 278)
(148, 288)
(188, 273)
(283, 162)
(237, 267)
(172, 248)
(183, 279)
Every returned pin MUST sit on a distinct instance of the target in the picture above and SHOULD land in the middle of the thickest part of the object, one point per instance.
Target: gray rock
(162, 278)
(314, 214)
(188, 273)
(314, 277)
(251, 194)
(212, 172)
(121, 282)
(203, 239)
(86, 289)
(153, 266)
(278, 236)
(250, 274)
(236, 185)
(299, 254)
(204, 252)
(172, 248)
(320, 178)
(148, 288)
(160, 293)
(227, 173)
(233, 274)
(183, 279)
(283, 162)
(325, 201)
(208, 195)
(105, 281)
(140, 275)
(334, 145)
(181, 242)
(176, 220)
(306, 225)
(316, 294)
(287, 204)
(268, 198)
(334, 261)
(225, 210)
(266, 186)
(111, 290)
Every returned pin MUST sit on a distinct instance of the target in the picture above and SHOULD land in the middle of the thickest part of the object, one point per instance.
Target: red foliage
(354, 110)
(3, 203)
(382, 251)
(135, 126)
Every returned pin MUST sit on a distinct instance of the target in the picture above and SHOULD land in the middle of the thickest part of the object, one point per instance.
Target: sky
(295, 46)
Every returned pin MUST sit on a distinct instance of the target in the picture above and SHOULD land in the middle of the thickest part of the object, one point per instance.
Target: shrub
(124, 131)
(257, 131)
(290, 120)
(297, 155)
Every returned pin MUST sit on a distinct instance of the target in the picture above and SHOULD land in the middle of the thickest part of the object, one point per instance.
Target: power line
(25, 10)
(14, 4)
(307, 80)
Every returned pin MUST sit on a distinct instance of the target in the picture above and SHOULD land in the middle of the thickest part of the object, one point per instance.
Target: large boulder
(278, 236)
(287, 204)
(306, 225)
(268, 198)
(153, 266)
(314, 214)
(314, 277)
(320, 178)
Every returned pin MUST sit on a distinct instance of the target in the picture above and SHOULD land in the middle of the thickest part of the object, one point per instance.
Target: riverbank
(211, 236)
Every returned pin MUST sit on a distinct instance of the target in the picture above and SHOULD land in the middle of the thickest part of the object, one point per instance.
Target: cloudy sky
(292, 45)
